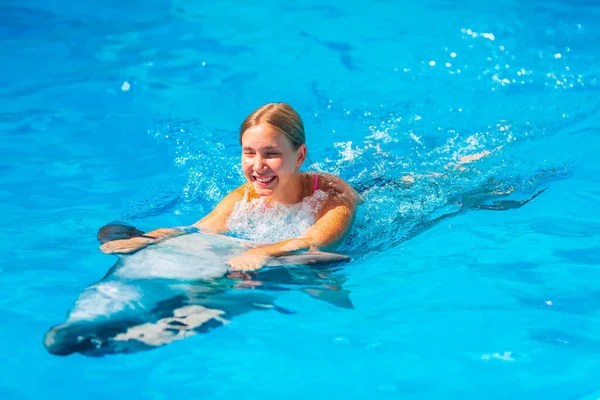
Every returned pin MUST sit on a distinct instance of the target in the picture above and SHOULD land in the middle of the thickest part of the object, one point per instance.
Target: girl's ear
(301, 155)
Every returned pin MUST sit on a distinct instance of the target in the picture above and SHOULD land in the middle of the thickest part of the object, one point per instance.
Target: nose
(259, 163)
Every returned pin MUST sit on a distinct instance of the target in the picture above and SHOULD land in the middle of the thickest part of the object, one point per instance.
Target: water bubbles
(203, 63)
(558, 55)
(506, 356)
(265, 221)
(453, 54)
(522, 72)
(473, 34)
(432, 63)
(448, 65)
(347, 153)
(501, 81)
(125, 86)
(380, 135)
(342, 340)
(416, 138)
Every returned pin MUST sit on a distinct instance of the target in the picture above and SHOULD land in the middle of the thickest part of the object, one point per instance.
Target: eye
(272, 154)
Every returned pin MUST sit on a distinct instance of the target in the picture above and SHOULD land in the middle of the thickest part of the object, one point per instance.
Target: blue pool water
(114, 111)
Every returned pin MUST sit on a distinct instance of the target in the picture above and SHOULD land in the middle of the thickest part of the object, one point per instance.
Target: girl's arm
(214, 222)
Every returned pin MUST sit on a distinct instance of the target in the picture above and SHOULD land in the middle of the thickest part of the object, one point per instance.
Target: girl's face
(270, 162)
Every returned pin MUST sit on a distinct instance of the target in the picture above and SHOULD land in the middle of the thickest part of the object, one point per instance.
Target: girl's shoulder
(339, 188)
(243, 192)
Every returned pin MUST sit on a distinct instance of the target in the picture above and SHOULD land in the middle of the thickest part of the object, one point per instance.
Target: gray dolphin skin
(182, 287)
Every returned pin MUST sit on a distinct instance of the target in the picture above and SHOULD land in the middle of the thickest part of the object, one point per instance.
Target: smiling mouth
(263, 181)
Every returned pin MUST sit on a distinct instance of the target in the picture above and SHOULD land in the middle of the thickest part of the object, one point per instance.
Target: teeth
(264, 180)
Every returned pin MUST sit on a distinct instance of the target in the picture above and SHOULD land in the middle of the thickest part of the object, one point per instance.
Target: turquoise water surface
(115, 111)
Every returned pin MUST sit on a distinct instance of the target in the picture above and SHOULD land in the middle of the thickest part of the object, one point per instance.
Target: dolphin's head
(105, 336)
(62, 341)
(86, 338)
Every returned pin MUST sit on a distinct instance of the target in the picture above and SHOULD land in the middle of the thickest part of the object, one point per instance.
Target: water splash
(264, 221)
(405, 156)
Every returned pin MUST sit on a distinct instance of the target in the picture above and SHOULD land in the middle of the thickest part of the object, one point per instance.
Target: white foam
(264, 221)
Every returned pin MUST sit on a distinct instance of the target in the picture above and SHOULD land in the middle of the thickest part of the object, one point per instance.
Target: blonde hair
(280, 115)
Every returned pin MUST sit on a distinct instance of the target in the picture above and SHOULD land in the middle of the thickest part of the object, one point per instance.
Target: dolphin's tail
(504, 205)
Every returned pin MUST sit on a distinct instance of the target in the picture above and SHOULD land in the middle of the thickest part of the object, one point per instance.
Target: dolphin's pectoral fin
(309, 257)
(336, 296)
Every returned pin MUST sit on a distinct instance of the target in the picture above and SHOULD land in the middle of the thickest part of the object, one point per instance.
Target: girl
(273, 150)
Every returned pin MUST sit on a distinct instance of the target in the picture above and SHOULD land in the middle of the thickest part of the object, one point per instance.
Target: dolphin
(182, 287)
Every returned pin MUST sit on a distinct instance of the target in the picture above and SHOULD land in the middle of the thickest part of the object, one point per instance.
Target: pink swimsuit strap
(316, 182)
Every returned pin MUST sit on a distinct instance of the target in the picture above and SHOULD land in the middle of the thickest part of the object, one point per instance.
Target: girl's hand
(125, 245)
(248, 262)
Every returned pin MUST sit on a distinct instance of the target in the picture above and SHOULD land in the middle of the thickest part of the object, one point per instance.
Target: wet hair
(281, 116)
